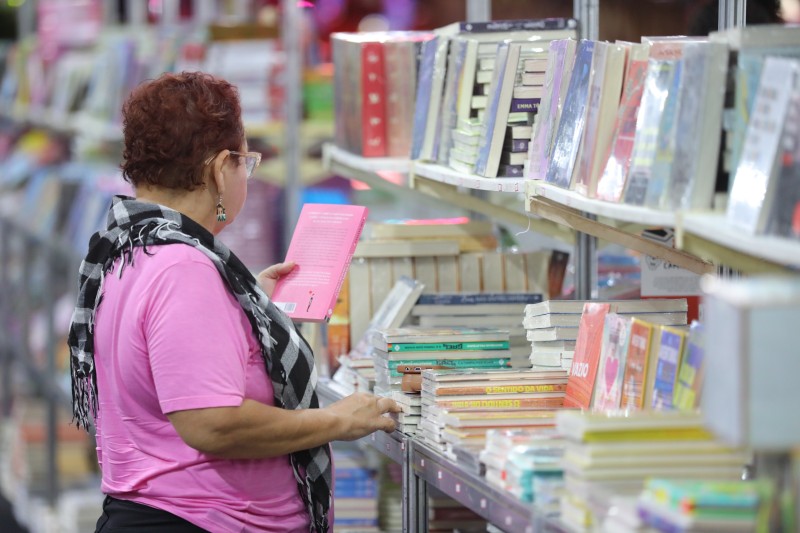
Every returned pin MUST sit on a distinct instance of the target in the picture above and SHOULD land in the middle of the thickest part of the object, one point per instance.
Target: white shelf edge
(435, 172)
(331, 152)
(621, 212)
(714, 227)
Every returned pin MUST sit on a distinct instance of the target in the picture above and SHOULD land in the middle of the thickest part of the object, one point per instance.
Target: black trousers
(129, 517)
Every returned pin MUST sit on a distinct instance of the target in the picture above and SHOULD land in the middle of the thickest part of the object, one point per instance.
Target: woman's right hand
(362, 413)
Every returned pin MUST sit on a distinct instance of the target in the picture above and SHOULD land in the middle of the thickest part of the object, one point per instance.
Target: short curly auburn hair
(173, 124)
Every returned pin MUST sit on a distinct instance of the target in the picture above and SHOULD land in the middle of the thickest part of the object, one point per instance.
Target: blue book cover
(424, 86)
(669, 360)
(573, 117)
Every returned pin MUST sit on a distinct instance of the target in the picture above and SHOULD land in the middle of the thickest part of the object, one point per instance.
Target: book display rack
(705, 243)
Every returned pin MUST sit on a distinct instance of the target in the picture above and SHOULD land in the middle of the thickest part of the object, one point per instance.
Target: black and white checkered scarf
(288, 358)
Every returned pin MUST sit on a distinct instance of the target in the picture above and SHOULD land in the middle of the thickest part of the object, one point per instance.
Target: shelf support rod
(586, 264)
(449, 194)
(479, 10)
(575, 220)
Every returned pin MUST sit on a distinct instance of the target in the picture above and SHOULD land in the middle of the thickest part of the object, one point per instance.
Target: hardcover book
(608, 389)
(322, 246)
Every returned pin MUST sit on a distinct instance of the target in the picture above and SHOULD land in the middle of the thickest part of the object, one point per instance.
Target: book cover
(604, 99)
(753, 188)
(424, 95)
(699, 127)
(447, 299)
(587, 356)
(664, 58)
(448, 117)
(611, 370)
(783, 219)
(611, 182)
(667, 305)
(322, 246)
(494, 128)
(690, 375)
(636, 362)
(670, 348)
(559, 69)
(570, 126)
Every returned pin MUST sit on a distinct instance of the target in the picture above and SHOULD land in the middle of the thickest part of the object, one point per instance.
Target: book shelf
(710, 237)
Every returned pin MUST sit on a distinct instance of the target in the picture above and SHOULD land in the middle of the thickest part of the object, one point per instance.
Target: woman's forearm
(254, 430)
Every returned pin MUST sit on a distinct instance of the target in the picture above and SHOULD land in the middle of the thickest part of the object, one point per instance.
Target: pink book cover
(580, 385)
(322, 246)
(612, 182)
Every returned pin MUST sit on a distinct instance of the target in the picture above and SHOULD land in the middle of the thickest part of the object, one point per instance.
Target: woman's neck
(199, 204)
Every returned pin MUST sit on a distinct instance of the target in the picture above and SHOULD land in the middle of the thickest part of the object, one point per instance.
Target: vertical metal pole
(293, 85)
(6, 344)
(741, 13)
(26, 18)
(731, 14)
(417, 490)
(577, 13)
(586, 265)
(479, 10)
(205, 11)
(110, 13)
(137, 12)
(170, 12)
(50, 371)
(593, 16)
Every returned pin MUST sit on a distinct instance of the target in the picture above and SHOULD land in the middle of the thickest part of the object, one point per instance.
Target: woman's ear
(216, 170)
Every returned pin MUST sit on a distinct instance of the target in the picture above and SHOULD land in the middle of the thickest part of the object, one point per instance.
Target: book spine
(517, 145)
(510, 171)
(555, 23)
(343, 275)
(500, 404)
(485, 298)
(373, 118)
(447, 346)
(527, 105)
(500, 362)
(501, 389)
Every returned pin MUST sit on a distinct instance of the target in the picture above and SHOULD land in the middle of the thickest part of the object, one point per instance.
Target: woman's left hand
(270, 276)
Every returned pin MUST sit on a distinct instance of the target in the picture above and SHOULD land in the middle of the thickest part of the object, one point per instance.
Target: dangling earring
(221, 216)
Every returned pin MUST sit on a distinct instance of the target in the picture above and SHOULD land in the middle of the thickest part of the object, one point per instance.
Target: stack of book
(356, 497)
(525, 462)
(552, 325)
(374, 88)
(460, 406)
(400, 350)
(445, 515)
(456, 83)
(501, 310)
(673, 505)
(391, 496)
(613, 453)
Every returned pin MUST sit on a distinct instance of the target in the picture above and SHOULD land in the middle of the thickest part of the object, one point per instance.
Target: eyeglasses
(251, 161)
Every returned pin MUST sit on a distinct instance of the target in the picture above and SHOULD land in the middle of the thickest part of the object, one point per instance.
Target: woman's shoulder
(179, 257)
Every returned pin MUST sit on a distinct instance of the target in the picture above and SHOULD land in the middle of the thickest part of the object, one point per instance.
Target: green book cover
(447, 346)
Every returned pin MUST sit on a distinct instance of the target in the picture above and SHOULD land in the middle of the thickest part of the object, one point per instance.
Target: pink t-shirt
(170, 336)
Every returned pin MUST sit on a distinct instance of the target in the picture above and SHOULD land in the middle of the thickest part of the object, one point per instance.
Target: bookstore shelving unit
(20, 291)
(710, 237)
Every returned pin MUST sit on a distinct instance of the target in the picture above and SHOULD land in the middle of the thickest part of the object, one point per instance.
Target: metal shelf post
(291, 35)
(479, 10)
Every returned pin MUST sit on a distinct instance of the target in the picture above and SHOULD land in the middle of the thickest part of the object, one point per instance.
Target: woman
(201, 390)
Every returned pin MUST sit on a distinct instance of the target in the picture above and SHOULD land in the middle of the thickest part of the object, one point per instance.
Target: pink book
(322, 246)
(611, 183)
